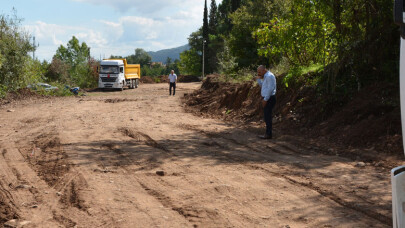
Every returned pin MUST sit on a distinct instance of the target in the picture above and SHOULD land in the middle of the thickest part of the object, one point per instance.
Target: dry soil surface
(137, 159)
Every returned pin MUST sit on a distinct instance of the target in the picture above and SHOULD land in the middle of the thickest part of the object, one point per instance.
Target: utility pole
(89, 56)
(34, 45)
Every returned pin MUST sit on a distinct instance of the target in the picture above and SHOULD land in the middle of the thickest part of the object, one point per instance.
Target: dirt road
(92, 162)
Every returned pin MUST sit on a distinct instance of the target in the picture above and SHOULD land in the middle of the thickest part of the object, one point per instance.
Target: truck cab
(117, 74)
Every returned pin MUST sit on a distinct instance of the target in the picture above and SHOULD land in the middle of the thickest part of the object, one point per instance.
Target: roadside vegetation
(337, 48)
(71, 66)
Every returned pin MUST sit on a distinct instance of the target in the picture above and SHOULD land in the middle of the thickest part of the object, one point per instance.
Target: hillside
(173, 53)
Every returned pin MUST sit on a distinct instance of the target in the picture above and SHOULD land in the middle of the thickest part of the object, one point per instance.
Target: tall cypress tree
(235, 4)
(215, 41)
(205, 36)
(212, 24)
(224, 22)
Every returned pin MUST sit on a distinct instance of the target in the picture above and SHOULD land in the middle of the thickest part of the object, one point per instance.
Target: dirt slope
(368, 127)
(92, 162)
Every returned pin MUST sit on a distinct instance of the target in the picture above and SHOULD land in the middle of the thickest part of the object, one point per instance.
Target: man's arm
(259, 81)
(266, 88)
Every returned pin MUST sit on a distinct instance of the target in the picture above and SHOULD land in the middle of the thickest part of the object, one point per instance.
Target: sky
(109, 27)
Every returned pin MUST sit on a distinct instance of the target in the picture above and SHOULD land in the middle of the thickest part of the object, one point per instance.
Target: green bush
(3, 91)
(302, 73)
(15, 64)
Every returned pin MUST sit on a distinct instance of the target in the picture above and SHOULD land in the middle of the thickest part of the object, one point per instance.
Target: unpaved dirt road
(92, 161)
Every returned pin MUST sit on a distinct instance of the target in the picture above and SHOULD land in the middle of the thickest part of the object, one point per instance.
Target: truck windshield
(109, 70)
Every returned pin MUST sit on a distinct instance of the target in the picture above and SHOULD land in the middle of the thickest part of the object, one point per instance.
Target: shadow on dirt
(289, 157)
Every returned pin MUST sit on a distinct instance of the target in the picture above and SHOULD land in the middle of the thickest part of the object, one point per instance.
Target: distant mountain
(173, 53)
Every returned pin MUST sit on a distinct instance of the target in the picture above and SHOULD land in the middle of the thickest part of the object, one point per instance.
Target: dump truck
(118, 74)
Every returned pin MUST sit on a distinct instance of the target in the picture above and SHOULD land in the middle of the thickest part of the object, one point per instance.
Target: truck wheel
(136, 83)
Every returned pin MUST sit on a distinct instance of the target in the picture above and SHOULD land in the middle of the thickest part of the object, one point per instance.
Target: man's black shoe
(265, 136)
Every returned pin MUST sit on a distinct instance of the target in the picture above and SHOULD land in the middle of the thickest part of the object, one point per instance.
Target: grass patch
(303, 73)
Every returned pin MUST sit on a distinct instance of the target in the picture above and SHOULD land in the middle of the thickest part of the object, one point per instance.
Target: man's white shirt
(172, 77)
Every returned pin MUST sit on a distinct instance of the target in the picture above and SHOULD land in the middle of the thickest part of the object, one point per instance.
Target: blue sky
(107, 26)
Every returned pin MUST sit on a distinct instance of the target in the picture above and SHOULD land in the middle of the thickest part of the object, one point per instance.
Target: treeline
(349, 43)
(70, 66)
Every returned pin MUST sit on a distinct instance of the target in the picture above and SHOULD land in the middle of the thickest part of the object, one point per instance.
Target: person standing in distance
(267, 81)
(172, 82)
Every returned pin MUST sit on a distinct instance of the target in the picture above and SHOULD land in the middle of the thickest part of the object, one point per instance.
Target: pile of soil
(227, 100)
(188, 78)
(21, 94)
(147, 80)
(370, 120)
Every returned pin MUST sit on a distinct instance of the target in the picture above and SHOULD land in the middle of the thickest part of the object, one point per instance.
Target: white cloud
(51, 36)
(150, 6)
(159, 25)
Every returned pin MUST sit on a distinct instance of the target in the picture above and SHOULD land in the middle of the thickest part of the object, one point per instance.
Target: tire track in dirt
(167, 202)
(8, 209)
(322, 191)
(190, 213)
(71, 196)
(125, 160)
(3, 153)
(137, 135)
(51, 163)
(66, 222)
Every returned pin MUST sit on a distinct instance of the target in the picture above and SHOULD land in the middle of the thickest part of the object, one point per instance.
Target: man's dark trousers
(268, 115)
(172, 84)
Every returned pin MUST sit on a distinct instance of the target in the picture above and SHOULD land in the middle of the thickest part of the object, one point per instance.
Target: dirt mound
(370, 120)
(147, 79)
(230, 101)
(189, 78)
(21, 94)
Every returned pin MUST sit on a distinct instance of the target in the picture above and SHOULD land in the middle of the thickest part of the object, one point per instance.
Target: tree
(343, 36)
(190, 62)
(74, 54)
(246, 19)
(14, 48)
(213, 16)
(227, 62)
(168, 61)
(58, 71)
(75, 57)
(224, 22)
(235, 4)
(215, 41)
(140, 57)
(206, 39)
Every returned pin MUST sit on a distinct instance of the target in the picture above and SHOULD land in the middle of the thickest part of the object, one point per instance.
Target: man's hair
(262, 67)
